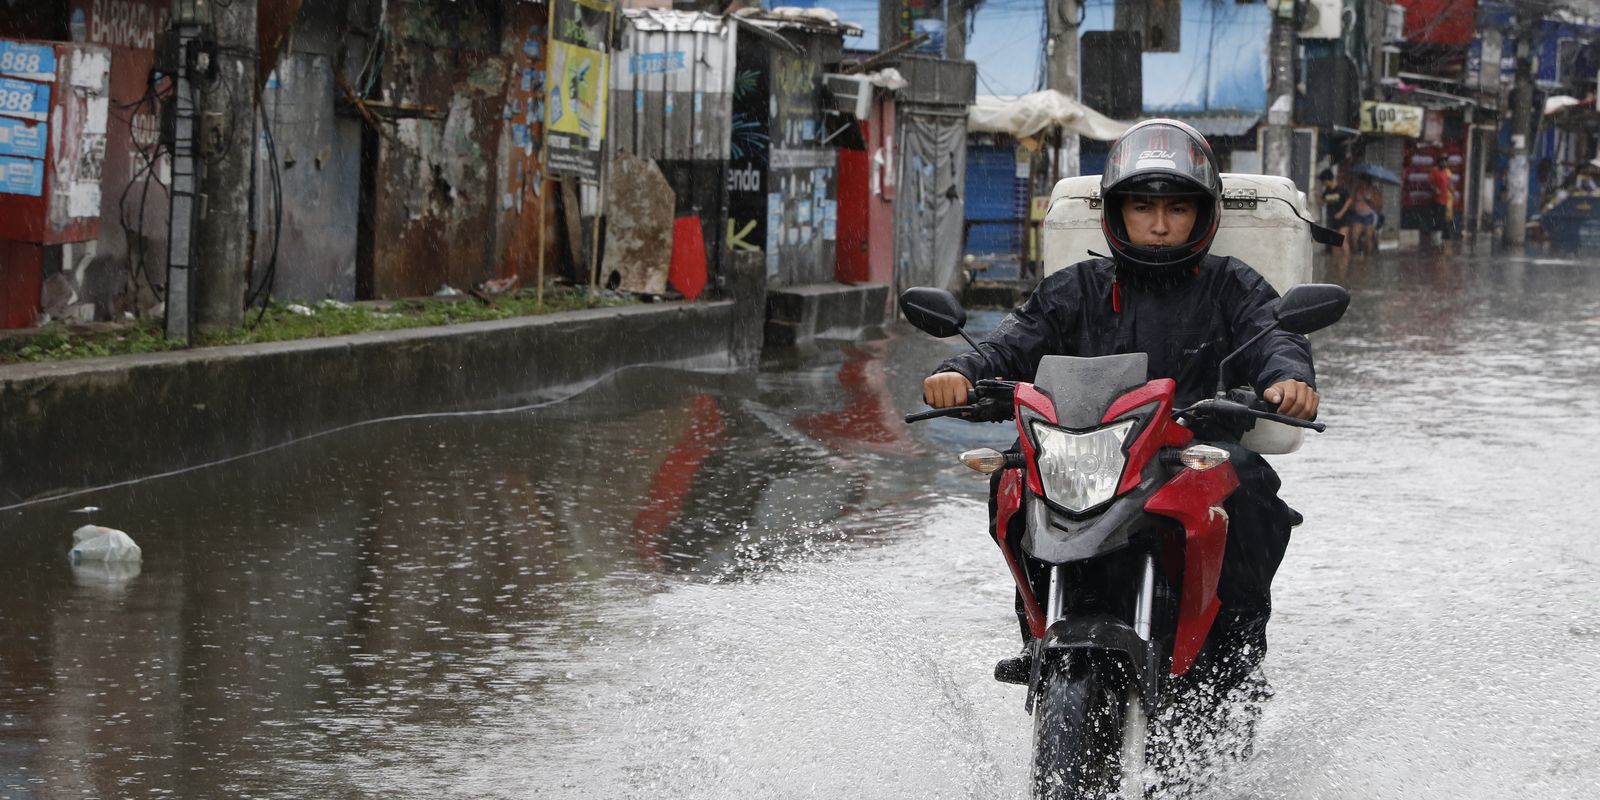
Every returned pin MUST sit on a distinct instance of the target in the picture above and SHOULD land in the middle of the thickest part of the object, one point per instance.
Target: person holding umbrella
(1366, 204)
(1360, 215)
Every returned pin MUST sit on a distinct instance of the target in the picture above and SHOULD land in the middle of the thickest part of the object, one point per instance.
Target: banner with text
(577, 86)
(1391, 118)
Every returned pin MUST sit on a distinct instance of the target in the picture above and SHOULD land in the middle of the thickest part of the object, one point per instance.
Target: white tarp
(1031, 113)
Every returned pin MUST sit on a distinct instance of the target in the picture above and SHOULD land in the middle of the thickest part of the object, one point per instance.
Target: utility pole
(226, 150)
(1061, 71)
(1521, 131)
(1279, 140)
(185, 175)
(955, 29)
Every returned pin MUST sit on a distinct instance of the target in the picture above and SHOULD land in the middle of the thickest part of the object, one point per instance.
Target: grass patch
(58, 342)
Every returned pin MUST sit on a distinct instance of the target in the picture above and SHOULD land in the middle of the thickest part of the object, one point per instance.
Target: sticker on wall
(657, 63)
(34, 62)
(84, 199)
(26, 139)
(24, 99)
(91, 70)
(21, 176)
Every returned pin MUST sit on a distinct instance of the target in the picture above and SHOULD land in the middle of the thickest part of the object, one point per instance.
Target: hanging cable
(263, 290)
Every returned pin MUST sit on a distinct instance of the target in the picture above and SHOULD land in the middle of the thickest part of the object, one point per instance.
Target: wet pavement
(694, 585)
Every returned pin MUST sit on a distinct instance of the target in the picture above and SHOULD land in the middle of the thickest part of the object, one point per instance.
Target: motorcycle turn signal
(986, 459)
(1199, 457)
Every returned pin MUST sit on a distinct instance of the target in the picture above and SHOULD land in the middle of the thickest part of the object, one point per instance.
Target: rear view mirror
(935, 312)
(1311, 307)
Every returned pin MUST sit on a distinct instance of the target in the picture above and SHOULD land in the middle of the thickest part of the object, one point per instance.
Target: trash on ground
(296, 308)
(97, 543)
(498, 285)
(447, 291)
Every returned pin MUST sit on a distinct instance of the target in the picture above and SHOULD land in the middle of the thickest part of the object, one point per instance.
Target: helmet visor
(1164, 150)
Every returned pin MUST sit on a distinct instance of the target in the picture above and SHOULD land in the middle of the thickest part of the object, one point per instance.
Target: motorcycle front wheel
(1078, 730)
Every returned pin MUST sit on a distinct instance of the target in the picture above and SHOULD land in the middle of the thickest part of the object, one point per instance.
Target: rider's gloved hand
(1293, 398)
(946, 389)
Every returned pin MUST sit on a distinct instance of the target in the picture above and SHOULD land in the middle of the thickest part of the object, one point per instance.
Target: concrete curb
(797, 315)
(75, 424)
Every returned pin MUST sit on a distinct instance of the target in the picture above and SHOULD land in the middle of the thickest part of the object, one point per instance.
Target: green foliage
(58, 342)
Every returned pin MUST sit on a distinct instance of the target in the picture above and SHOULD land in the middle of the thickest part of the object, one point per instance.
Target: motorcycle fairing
(1160, 431)
(1195, 500)
(1031, 399)
(1008, 499)
(1081, 389)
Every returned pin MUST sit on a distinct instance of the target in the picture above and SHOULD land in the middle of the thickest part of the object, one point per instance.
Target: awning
(1030, 114)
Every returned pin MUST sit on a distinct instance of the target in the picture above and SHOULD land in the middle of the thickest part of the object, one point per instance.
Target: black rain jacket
(1186, 329)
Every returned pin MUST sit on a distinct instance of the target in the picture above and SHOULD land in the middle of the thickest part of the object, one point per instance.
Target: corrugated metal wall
(672, 86)
(672, 101)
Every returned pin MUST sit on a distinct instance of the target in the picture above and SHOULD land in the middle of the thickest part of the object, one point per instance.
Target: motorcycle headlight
(1081, 470)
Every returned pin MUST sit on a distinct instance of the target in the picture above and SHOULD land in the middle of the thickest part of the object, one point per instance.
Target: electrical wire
(263, 290)
(133, 235)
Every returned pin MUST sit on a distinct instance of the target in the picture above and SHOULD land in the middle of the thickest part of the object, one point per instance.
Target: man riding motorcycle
(1161, 294)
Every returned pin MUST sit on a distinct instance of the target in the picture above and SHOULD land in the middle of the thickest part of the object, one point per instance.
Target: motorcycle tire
(1077, 731)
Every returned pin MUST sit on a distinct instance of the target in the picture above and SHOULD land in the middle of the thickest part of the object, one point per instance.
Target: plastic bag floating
(96, 543)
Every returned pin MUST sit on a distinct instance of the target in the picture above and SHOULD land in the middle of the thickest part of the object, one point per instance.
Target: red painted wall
(850, 262)
(865, 248)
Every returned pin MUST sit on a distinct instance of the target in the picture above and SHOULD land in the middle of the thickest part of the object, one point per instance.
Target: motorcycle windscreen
(1083, 389)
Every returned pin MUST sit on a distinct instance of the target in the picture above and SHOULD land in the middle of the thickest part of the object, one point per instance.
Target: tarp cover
(929, 208)
(1031, 113)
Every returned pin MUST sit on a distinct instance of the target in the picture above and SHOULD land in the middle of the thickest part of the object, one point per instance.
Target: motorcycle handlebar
(1230, 407)
(989, 401)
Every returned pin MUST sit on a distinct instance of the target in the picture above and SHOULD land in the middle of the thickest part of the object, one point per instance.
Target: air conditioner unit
(851, 94)
(1321, 19)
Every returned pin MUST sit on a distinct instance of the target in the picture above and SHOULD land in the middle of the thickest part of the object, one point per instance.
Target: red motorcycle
(1110, 517)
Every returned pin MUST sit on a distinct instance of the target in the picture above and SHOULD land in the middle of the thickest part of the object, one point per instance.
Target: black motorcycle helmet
(1160, 158)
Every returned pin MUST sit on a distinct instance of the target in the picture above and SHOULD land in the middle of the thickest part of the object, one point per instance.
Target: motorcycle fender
(1108, 634)
(1195, 500)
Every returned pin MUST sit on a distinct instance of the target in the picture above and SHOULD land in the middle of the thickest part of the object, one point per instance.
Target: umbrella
(1376, 173)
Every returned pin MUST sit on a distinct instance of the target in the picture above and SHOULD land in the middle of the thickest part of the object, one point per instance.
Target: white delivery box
(1263, 224)
(1259, 226)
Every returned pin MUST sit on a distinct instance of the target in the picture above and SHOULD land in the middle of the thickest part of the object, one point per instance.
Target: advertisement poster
(1391, 118)
(577, 87)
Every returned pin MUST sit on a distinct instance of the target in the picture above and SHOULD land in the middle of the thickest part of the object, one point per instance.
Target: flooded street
(691, 585)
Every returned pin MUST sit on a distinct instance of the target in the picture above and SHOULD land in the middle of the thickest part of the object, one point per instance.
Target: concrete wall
(76, 424)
